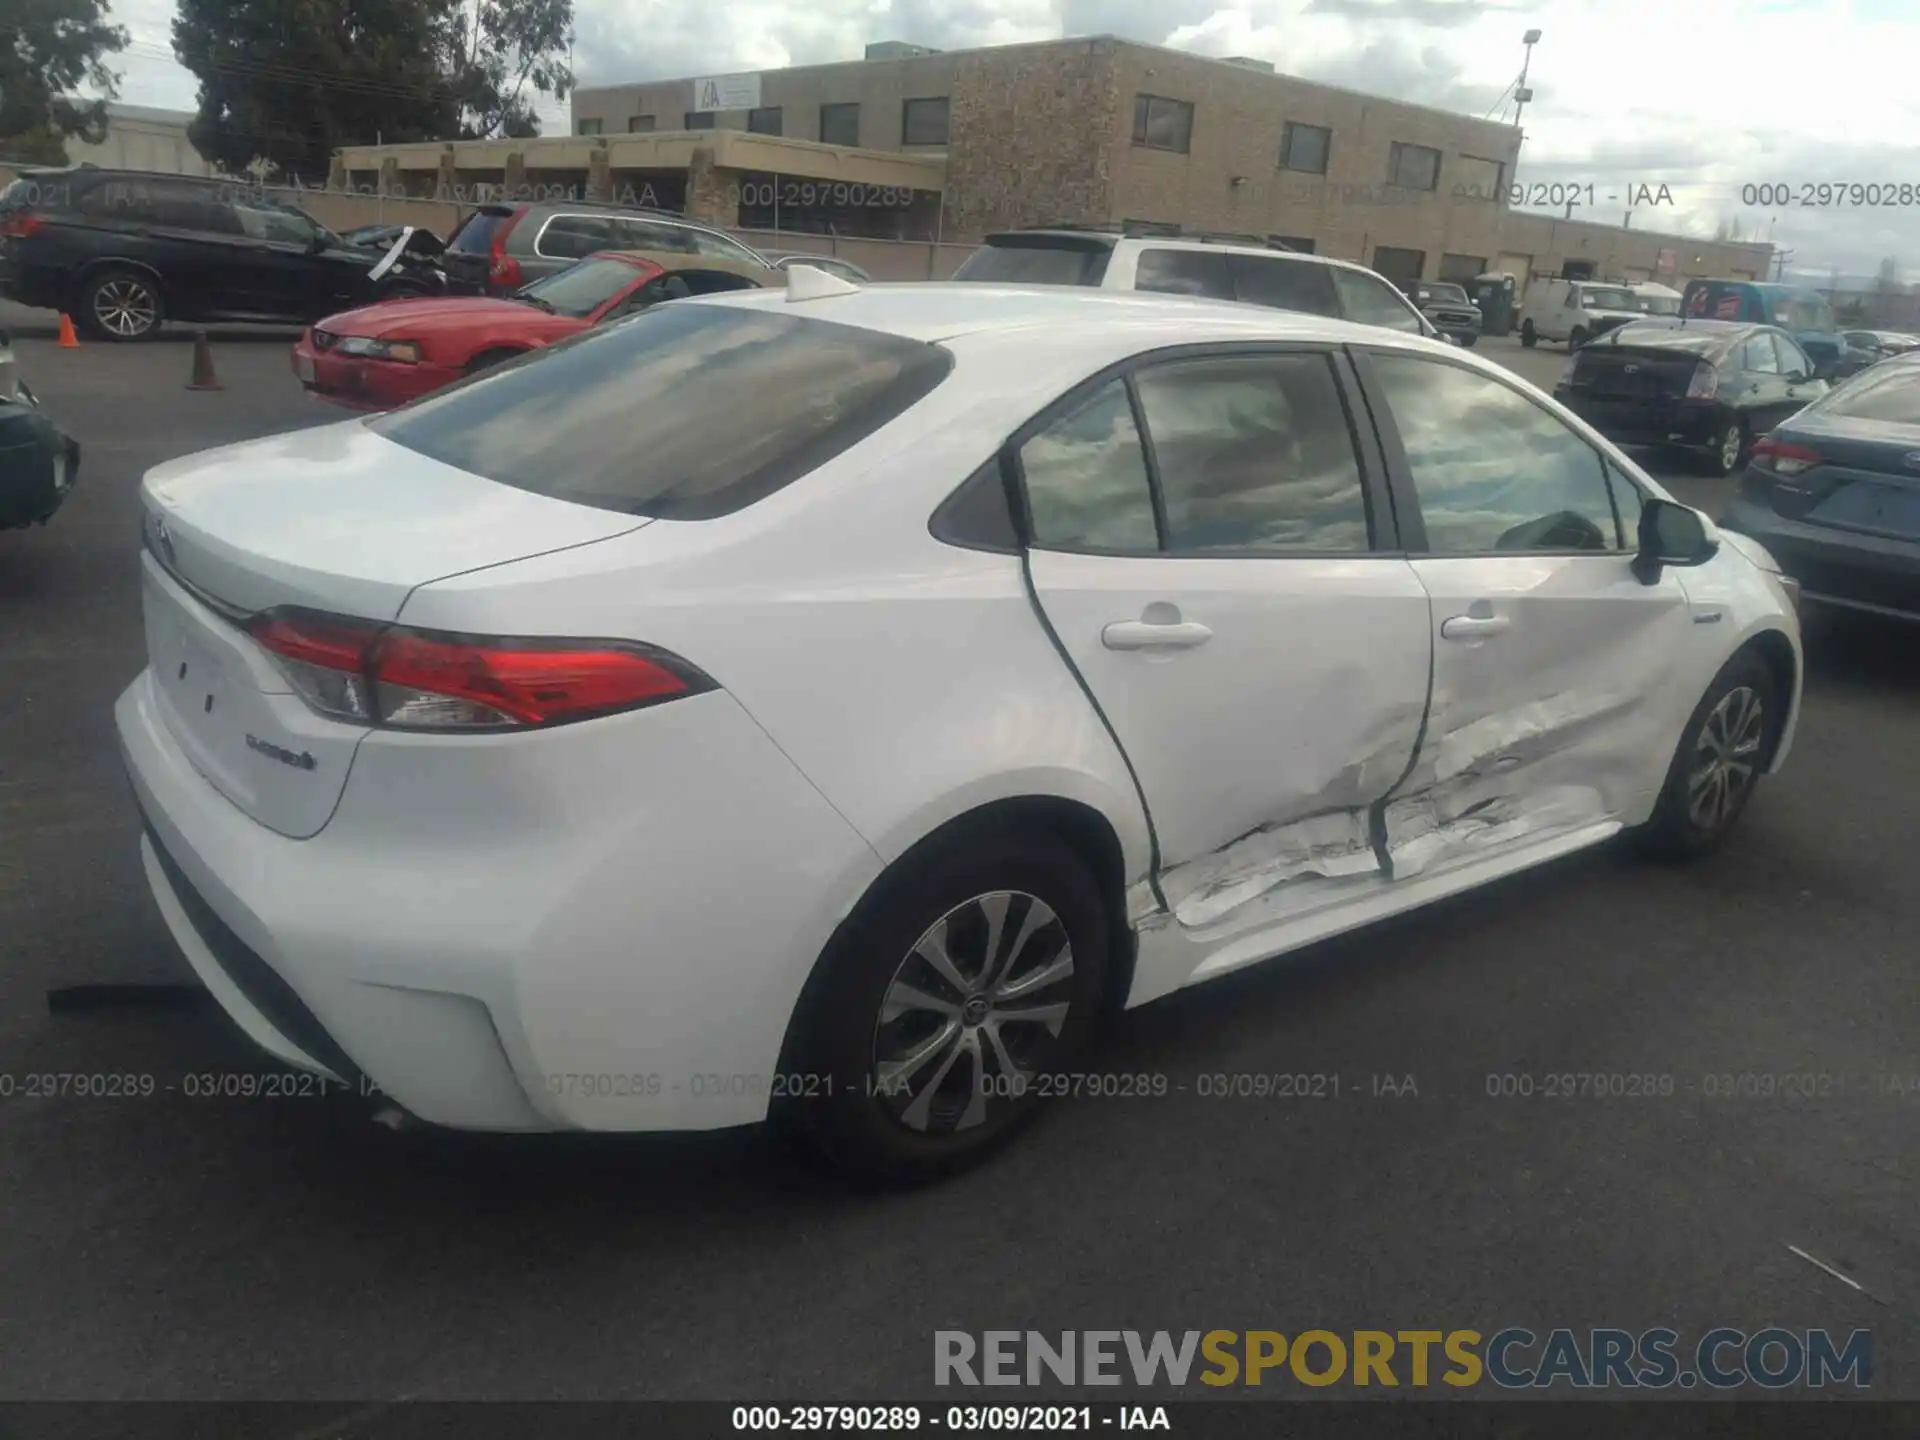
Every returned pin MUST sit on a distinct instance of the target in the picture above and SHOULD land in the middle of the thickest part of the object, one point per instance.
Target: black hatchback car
(1710, 386)
(123, 251)
(1834, 493)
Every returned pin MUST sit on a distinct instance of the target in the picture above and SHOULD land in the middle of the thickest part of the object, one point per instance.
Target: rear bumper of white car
(604, 926)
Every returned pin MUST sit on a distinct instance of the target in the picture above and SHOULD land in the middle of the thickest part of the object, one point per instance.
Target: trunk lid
(1628, 372)
(335, 519)
(1867, 478)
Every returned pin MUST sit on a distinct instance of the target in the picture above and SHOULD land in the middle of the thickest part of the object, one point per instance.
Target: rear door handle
(1145, 635)
(1472, 627)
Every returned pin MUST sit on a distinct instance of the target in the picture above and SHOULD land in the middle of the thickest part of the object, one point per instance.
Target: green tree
(289, 81)
(48, 49)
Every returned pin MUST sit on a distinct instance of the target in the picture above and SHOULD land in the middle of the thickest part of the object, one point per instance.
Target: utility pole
(1780, 258)
(1521, 94)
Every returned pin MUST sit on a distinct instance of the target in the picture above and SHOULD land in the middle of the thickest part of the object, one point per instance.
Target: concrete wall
(139, 138)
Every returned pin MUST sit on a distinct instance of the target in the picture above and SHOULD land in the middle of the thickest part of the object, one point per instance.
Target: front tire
(1529, 337)
(119, 304)
(1718, 763)
(976, 971)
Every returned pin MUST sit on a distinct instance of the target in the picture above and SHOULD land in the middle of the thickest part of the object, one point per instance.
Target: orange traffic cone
(203, 376)
(68, 340)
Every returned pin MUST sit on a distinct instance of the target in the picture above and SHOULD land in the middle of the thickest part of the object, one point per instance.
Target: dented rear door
(1553, 663)
(1203, 553)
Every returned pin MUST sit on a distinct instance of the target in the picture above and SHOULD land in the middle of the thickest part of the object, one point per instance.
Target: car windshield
(1659, 304)
(1600, 297)
(1443, 294)
(581, 289)
(1034, 263)
(644, 417)
(1802, 311)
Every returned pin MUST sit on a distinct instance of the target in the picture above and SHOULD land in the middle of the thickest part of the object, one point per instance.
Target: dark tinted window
(573, 237)
(1371, 301)
(1493, 471)
(1086, 478)
(645, 416)
(1285, 284)
(698, 120)
(640, 124)
(1035, 263)
(1888, 393)
(924, 122)
(840, 124)
(1161, 124)
(1185, 272)
(767, 120)
(1253, 452)
(1414, 167)
(475, 237)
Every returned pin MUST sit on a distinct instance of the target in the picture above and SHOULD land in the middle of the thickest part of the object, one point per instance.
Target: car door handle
(1472, 627)
(1146, 635)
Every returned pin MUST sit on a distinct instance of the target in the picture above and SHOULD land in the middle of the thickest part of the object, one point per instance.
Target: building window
(1413, 167)
(588, 127)
(764, 121)
(839, 124)
(699, 120)
(1476, 178)
(1161, 124)
(640, 124)
(924, 122)
(1400, 266)
(1299, 244)
(1305, 147)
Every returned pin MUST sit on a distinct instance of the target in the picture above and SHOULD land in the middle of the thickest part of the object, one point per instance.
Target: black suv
(501, 247)
(122, 251)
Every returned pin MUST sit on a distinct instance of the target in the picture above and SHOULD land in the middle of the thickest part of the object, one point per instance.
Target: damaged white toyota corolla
(828, 703)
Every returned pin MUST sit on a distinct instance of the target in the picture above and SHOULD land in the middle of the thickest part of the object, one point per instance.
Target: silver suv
(501, 247)
(1218, 267)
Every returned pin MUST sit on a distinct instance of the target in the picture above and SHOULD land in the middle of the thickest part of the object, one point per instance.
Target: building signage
(726, 92)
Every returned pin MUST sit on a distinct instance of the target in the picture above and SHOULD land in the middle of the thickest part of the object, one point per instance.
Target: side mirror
(1671, 534)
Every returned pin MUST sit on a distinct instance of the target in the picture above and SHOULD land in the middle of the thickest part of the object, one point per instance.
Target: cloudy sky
(1705, 96)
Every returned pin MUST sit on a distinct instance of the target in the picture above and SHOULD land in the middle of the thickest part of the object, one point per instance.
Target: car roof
(1108, 239)
(942, 310)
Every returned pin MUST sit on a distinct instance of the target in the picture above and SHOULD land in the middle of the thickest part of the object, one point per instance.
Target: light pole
(1521, 94)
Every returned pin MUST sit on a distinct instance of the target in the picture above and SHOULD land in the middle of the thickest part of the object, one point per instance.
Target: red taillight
(18, 227)
(415, 680)
(1783, 457)
(1705, 383)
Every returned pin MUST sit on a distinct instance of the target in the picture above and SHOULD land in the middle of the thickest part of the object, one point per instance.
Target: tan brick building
(925, 146)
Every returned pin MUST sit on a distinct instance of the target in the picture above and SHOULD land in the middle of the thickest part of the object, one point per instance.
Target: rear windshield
(476, 236)
(1035, 262)
(1660, 337)
(685, 412)
(1891, 394)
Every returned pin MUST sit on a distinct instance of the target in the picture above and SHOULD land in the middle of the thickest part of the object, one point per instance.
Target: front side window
(644, 417)
(1494, 473)
(1185, 272)
(1368, 300)
(262, 220)
(1253, 453)
(1162, 124)
(1086, 478)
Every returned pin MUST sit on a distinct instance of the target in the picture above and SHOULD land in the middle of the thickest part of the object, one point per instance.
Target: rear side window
(574, 237)
(475, 237)
(645, 417)
(1035, 264)
(1086, 478)
(1891, 395)
(1185, 272)
(1285, 285)
(1371, 301)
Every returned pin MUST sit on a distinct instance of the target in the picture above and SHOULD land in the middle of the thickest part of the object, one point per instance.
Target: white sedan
(827, 703)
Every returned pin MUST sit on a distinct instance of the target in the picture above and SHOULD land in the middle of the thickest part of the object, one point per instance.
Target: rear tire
(120, 304)
(917, 1067)
(1729, 449)
(1528, 336)
(1717, 764)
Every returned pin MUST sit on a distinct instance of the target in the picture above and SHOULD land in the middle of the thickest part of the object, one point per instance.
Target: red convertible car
(385, 355)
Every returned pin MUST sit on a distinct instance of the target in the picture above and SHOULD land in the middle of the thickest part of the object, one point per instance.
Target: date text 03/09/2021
(906, 1419)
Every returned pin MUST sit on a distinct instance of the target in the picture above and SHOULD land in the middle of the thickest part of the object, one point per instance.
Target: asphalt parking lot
(189, 1248)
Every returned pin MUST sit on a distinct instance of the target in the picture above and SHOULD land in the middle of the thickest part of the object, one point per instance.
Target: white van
(1574, 311)
(1656, 299)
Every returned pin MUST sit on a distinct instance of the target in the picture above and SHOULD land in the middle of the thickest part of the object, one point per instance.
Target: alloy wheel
(1730, 448)
(1726, 759)
(126, 308)
(971, 1012)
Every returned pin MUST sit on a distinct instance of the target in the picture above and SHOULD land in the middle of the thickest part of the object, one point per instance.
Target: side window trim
(1387, 534)
(547, 225)
(1413, 525)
